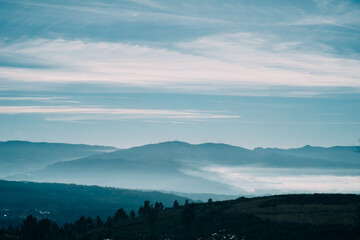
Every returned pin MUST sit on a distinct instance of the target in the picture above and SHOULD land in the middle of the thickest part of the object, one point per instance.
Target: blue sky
(125, 73)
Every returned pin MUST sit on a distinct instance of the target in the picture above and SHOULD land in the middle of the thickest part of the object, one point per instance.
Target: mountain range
(183, 167)
(22, 156)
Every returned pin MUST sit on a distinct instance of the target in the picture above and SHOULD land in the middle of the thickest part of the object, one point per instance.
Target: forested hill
(303, 216)
(67, 202)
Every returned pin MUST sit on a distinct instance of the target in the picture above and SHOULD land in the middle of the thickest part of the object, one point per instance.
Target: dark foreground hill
(315, 216)
(67, 202)
(21, 156)
(318, 216)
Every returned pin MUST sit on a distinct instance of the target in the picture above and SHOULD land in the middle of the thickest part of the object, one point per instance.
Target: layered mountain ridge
(183, 167)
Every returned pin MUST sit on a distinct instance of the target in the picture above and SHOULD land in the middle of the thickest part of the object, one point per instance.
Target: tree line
(45, 229)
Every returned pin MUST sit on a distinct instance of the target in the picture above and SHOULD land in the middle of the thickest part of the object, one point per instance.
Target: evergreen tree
(188, 219)
(144, 210)
(29, 228)
(120, 215)
(98, 222)
(47, 230)
(81, 225)
(159, 206)
(90, 223)
(132, 214)
(176, 204)
(108, 222)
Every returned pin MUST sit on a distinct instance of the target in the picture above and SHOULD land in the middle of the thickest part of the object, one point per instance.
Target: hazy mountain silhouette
(176, 154)
(339, 154)
(175, 166)
(125, 174)
(22, 156)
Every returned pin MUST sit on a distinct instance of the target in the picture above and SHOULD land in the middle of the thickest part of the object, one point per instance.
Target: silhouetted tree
(132, 214)
(120, 215)
(108, 222)
(187, 220)
(29, 228)
(98, 222)
(81, 225)
(46, 229)
(69, 231)
(108, 226)
(144, 210)
(176, 204)
(151, 213)
(159, 206)
(90, 223)
(188, 214)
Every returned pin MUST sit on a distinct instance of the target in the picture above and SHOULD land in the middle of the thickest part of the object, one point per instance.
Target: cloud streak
(338, 13)
(224, 61)
(39, 99)
(87, 113)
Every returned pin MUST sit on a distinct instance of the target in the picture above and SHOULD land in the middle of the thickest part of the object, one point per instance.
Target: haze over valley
(183, 167)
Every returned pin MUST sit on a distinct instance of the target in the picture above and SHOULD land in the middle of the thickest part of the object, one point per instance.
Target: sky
(126, 73)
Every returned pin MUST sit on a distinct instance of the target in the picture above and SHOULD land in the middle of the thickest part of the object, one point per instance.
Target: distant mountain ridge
(22, 156)
(179, 166)
(347, 154)
(176, 154)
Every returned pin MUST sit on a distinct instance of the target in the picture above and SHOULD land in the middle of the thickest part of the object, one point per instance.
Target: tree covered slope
(67, 202)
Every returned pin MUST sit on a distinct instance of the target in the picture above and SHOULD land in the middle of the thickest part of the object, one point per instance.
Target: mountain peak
(175, 142)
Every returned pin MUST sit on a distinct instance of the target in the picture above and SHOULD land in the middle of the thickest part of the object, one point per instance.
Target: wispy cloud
(268, 60)
(333, 13)
(87, 113)
(304, 123)
(114, 12)
(39, 99)
(224, 61)
(148, 3)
